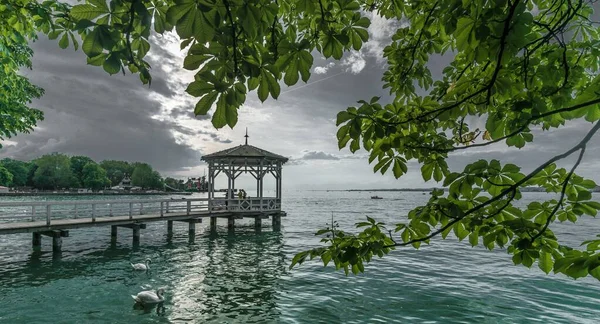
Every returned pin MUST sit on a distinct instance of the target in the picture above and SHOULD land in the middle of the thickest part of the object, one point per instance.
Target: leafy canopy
(54, 172)
(18, 169)
(143, 176)
(94, 176)
(6, 178)
(519, 65)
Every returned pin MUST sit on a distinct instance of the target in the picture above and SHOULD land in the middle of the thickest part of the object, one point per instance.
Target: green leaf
(427, 171)
(398, 169)
(204, 104)
(437, 174)
(272, 83)
(465, 37)
(291, 73)
(199, 88)
(474, 238)
(87, 11)
(193, 62)
(460, 231)
(92, 45)
(219, 119)
(545, 262)
(64, 41)
(112, 65)
(343, 116)
(263, 87)
(232, 115)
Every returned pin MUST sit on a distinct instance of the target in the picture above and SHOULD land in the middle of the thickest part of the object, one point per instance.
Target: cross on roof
(246, 136)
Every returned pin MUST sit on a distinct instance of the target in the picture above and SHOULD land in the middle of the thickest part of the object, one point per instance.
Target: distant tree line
(55, 171)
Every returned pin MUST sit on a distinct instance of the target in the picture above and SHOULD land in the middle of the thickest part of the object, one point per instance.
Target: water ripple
(243, 278)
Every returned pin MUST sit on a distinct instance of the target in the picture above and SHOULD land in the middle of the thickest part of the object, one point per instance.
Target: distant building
(3, 189)
(126, 182)
(197, 184)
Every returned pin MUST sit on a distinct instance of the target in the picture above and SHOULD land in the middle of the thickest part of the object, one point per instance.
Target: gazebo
(236, 161)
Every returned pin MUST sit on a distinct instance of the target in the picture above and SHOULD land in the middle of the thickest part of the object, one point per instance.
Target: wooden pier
(56, 218)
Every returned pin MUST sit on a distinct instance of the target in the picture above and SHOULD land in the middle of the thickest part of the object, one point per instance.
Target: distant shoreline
(401, 189)
(28, 194)
(526, 189)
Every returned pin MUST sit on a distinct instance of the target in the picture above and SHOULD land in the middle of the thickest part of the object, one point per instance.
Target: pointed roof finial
(246, 136)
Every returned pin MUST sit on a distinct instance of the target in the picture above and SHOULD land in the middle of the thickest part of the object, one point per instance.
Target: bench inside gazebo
(252, 160)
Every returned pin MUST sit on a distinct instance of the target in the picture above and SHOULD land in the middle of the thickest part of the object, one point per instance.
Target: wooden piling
(136, 234)
(56, 244)
(170, 227)
(258, 223)
(36, 241)
(192, 229)
(113, 233)
(213, 224)
(56, 236)
(276, 222)
(230, 223)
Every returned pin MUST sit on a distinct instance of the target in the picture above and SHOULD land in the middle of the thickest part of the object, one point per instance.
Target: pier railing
(20, 211)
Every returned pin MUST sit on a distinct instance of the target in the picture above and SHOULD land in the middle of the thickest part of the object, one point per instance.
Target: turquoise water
(243, 277)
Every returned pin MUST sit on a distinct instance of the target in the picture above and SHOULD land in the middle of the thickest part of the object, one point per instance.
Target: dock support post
(56, 243)
(170, 227)
(113, 233)
(213, 224)
(276, 222)
(192, 229)
(56, 236)
(257, 223)
(136, 235)
(230, 223)
(36, 241)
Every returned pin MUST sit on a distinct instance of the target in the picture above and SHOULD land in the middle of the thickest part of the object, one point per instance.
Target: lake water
(243, 277)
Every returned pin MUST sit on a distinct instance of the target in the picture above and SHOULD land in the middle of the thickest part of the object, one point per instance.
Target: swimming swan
(141, 266)
(149, 297)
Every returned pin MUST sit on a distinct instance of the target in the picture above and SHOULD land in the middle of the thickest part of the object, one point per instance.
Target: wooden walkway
(55, 218)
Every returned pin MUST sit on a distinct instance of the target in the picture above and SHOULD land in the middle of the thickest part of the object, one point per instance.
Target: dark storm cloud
(214, 136)
(187, 112)
(91, 113)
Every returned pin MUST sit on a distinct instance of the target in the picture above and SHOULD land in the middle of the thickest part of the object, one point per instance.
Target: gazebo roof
(244, 151)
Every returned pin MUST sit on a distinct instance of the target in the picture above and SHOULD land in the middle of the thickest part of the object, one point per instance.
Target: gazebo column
(258, 185)
(279, 182)
(229, 186)
(211, 185)
(260, 179)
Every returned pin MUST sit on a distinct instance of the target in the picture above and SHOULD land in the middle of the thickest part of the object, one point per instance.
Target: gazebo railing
(246, 204)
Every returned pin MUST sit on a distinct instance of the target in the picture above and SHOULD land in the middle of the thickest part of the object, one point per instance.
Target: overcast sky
(90, 113)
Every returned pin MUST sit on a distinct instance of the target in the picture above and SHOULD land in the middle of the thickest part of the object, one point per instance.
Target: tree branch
(417, 44)
(499, 210)
(562, 193)
(235, 61)
(517, 131)
(576, 148)
(128, 35)
(273, 35)
(505, 32)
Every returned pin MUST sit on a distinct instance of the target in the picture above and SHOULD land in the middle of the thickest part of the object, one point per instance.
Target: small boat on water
(376, 197)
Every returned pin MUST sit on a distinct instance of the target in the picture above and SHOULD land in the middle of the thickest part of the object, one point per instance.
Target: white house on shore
(3, 189)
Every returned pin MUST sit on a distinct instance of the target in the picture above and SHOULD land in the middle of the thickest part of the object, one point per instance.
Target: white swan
(149, 297)
(141, 266)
